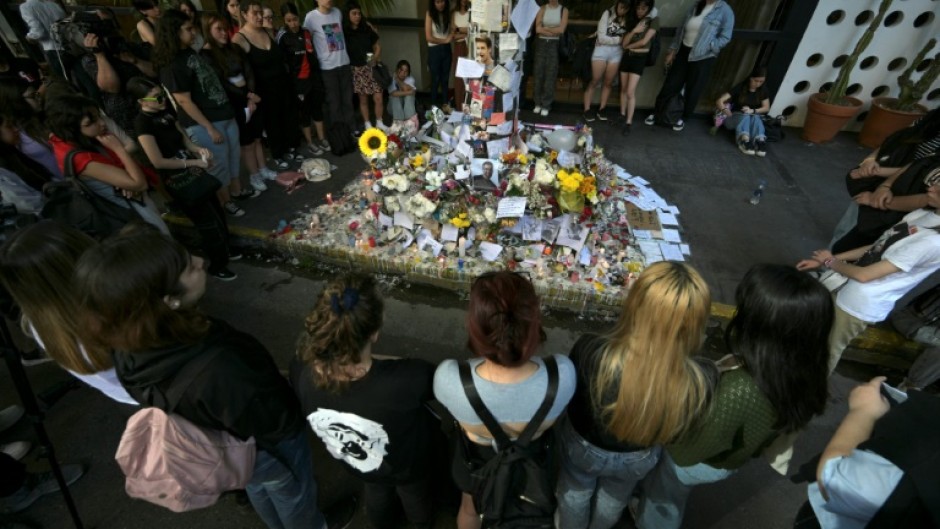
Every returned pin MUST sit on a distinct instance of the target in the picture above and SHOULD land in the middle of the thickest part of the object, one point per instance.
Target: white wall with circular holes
(832, 33)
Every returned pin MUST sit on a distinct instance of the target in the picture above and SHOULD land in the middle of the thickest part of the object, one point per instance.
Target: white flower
(490, 215)
(420, 207)
(391, 204)
(476, 216)
(434, 178)
(544, 175)
(395, 182)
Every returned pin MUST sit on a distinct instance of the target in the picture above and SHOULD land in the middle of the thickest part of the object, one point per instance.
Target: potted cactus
(828, 112)
(889, 114)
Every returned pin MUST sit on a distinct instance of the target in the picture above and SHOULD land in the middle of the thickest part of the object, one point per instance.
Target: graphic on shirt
(358, 441)
(891, 236)
(334, 37)
(207, 79)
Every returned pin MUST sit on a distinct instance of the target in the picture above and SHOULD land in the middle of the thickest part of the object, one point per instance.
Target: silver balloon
(563, 140)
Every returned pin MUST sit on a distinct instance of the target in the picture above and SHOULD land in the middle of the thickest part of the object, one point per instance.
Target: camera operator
(111, 62)
(39, 16)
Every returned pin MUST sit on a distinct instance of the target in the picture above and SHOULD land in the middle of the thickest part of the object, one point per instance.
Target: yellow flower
(373, 142)
(461, 221)
(523, 159)
(552, 156)
(418, 161)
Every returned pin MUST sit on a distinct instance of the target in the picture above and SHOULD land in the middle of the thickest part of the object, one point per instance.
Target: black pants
(12, 475)
(382, 504)
(279, 115)
(209, 221)
(691, 75)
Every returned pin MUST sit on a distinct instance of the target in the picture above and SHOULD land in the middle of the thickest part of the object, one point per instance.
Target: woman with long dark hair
(297, 44)
(139, 294)
(438, 33)
(100, 160)
(639, 386)
(337, 376)
(203, 106)
(238, 79)
(195, 16)
(460, 26)
(273, 82)
(504, 327)
(232, 16)
(149, 11)
(171, 152)
(606, 58)
(636, 49)
(743, 107)
(364, 50)
(692, 55)
(774, 381)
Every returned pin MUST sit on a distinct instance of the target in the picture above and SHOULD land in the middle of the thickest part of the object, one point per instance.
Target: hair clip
(350, 298)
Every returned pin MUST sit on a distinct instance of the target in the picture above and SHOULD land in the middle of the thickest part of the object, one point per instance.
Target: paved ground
(705, 176)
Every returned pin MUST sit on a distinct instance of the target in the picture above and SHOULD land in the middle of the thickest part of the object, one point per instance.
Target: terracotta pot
(824, 121)
(882, 121)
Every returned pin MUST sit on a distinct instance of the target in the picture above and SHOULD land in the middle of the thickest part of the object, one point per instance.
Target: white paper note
(501, 78)
(671, 235)
(671, 252)
(490, 251)
(409, 238)
(667, 218)
(435, 246)
(531, 228)
(404, 220)
(385, 220)
(449, 232)
(523, 16)
(455, 117)
(510, 207)
(469, 69)
(685, 249)
(509, 103)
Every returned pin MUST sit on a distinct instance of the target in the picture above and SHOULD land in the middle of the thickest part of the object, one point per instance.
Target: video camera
(70, 33)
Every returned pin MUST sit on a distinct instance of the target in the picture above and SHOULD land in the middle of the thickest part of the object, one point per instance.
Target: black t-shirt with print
(378, 426)
(750, 99)
(189, 72)
(359, 42)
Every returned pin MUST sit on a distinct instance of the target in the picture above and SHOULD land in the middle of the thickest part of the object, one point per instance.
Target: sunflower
(373, 142)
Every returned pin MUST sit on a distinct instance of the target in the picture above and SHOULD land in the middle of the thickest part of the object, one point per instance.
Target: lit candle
(461, 247)
(329, 198)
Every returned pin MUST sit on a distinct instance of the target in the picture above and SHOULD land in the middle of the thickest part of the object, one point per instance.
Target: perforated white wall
(832, 33)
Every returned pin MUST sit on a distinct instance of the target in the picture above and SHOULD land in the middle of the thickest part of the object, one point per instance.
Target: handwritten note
(510, 207)
(469, 69)
(449, 232)
(490, 251)
(404, 220)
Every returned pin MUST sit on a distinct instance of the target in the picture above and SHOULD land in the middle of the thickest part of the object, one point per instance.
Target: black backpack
(515, 488)
(72, 203)
(340, 138)
(670, 111)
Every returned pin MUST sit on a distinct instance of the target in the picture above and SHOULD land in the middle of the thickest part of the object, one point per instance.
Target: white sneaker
(650, 120)
(679, 126)
(381, 126)
(367, 125)
(544, 112)
(257, 182)
(16, 449)
(537, 109)
(267, 173)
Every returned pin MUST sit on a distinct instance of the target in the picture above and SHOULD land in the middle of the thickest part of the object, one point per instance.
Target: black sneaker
(223, 274)
(760, 148)
(588, 117)
(248, 192)
(746, 146)
(232, 209)
(602, 114)
(340, 515)
(625, 129)
(34, 358)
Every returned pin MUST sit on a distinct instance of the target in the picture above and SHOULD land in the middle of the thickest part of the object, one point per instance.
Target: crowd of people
(637, 414)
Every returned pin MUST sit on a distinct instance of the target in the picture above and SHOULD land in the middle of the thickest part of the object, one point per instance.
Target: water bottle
(758, 193)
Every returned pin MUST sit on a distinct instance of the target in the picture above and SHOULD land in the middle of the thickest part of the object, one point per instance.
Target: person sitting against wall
(744, 107)
(888, 183)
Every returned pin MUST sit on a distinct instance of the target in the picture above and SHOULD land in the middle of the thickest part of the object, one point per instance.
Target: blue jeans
(592, 476)
(666, 491)
(439, 63)
(750, 125)
(286, 498)
(225, 156)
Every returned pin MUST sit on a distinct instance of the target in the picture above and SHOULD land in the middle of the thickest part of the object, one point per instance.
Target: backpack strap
(185, 378)
(502, 440)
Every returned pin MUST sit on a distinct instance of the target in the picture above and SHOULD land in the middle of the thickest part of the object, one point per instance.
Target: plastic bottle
(758, 193)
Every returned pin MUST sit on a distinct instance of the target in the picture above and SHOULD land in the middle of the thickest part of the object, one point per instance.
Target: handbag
(74, 204)
(381, 75)
(191, 186)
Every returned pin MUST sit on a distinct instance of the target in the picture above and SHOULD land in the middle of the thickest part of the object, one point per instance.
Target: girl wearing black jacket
(148, 318)
(296, 43)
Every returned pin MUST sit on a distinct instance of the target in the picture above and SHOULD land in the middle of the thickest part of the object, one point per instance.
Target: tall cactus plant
(836, 94)
(912, 91)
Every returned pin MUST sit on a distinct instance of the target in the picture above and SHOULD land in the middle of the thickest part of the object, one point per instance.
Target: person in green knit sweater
(774, 381)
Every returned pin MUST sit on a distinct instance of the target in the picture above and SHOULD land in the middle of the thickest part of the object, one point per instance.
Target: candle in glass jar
(329, 198)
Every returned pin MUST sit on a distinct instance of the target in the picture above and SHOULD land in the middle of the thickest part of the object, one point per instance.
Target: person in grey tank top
(550, 24)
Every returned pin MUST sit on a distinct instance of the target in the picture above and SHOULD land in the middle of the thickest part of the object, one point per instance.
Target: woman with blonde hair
(639, 386)
(379, 401)
(36, 266)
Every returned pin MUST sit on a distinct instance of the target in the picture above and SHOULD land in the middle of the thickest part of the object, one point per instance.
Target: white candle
(461, 247)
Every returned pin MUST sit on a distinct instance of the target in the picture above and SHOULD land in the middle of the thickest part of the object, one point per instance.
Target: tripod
(28, 399)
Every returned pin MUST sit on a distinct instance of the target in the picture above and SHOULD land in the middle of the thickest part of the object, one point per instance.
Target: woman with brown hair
(379, 401)
(504, 324)
(639, 386)
(36, 267)
(138, 294)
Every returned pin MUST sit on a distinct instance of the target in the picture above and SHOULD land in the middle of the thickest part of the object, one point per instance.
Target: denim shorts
(607, 54)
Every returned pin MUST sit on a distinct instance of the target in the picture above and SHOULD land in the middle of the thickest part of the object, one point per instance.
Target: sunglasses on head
(159, 98)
